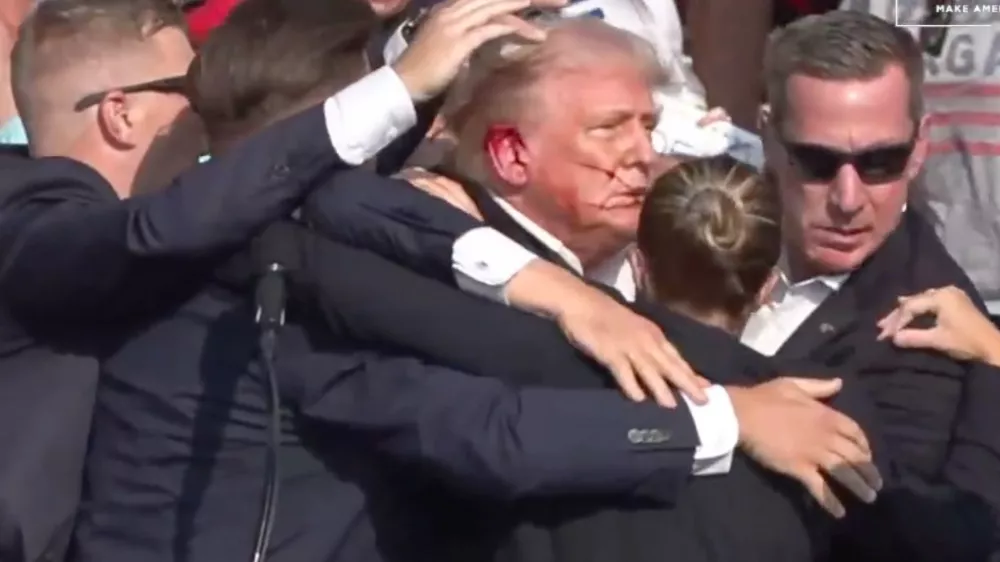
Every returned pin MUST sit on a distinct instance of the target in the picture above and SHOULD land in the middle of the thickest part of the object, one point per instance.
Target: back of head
(69, 49)
(710, 235)
(271, 59)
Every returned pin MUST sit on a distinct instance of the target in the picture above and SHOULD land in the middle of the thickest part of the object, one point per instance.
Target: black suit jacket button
(656, 436)
(648, 436)
(637, 436)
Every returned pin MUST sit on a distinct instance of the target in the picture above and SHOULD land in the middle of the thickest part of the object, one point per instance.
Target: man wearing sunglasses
(845, 136)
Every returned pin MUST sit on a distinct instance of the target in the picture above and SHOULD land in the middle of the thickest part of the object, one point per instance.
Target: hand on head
(450, 34)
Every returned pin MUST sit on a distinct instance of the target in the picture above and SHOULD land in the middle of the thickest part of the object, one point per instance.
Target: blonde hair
(710, 234)
(501, 83)
(70, 48)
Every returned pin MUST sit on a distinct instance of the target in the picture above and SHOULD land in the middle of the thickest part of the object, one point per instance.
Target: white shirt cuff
(718, 431)
(366, 116)
(484, 261)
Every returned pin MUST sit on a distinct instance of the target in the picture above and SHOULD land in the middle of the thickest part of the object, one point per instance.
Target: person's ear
(919, 154)
(508, 155)
(117, 120)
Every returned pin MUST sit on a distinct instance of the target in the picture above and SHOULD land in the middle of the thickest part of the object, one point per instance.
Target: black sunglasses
(171, 85)
(876, 165)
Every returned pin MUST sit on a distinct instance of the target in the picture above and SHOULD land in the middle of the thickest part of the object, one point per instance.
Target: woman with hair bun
(709, 238)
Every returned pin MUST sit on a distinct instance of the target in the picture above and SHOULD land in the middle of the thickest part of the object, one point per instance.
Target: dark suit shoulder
(29, 182)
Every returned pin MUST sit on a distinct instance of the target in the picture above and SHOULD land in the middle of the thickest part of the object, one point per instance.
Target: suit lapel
(836, 316)
(859, 300)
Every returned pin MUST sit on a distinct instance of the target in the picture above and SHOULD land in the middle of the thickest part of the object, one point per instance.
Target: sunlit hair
(502, 82)
(710, 235)
(69, 48)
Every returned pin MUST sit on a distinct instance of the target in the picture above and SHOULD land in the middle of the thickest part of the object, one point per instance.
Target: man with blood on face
(576, 167)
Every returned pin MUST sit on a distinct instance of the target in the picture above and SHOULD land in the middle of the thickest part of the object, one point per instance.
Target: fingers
(522, 28)
(849, 429)
(651, 377)
(621, 369)
(849, 478)
(851, 466)
(816, 388)
(671, 365)
(908, 309)
(917, 338)
(714, 115)
(818, 488)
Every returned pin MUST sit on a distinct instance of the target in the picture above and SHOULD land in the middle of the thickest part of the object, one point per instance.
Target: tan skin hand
(785, 427)
(961, 330)
(452, 32)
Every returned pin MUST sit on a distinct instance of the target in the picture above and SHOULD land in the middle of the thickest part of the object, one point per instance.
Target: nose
(847, 192)
(640, 146)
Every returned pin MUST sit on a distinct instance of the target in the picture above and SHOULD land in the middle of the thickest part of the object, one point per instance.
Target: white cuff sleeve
(718, 430)
(366, 116)
(484, 261)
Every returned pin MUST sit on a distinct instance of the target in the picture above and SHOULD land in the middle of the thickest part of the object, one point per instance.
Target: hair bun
(722, 219)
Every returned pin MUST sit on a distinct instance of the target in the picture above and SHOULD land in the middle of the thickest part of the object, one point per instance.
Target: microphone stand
(270, 299)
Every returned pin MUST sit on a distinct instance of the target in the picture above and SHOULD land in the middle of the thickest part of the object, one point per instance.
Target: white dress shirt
(485, 260)
(366, 116)
(790, 305)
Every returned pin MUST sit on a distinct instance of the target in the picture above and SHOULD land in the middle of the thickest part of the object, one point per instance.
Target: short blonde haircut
(70, 47)
(502, 82)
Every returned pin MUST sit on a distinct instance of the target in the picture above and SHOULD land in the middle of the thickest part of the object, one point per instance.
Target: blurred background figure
(12, 13)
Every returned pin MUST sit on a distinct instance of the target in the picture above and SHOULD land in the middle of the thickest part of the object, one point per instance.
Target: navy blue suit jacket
(80, 268)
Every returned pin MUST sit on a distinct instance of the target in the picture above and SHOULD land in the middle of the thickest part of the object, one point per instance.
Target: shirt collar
(615, 273)
(827, 283)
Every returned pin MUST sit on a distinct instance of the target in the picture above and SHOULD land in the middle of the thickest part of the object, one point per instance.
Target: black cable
(270, 296)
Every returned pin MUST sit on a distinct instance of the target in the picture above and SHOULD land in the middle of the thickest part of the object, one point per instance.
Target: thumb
(817, 388)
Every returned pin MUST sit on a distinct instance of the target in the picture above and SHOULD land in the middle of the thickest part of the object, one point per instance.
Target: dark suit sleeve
(974, 459)
(391, 218)
(489, 439)
(72, 250)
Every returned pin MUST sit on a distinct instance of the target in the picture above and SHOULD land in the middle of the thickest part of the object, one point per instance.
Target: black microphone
(270, 297)
(272, 250)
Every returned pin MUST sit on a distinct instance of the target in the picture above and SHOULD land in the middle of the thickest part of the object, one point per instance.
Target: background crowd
(498, 280)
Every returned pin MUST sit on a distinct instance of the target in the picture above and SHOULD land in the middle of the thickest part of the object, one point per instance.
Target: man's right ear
(507, 154)
(114, 116)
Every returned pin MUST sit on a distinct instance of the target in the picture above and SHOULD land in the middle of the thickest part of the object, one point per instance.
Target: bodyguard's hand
(960, 329)
(441, 187)
(785, 428)
(451, 33)
(630, 346)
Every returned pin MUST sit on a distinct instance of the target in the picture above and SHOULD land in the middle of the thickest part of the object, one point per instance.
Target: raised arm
(71, 250)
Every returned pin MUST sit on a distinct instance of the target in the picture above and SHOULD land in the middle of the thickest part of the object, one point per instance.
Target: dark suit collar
(495, 216)
(860, 298)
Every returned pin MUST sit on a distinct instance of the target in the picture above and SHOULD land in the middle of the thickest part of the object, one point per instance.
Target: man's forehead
(847, 113)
